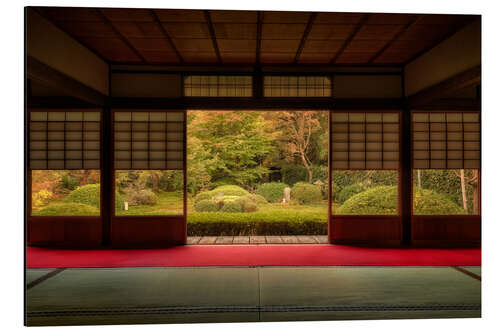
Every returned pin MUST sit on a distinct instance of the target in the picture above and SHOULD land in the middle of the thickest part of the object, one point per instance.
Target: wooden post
(106, 176)
(405, 178)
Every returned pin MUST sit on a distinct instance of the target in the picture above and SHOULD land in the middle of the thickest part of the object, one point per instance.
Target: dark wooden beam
(42, 12)
(120, 35)
(410, 24)
(468, 78)
(312, 17)
(50, 77)
(453, 104)
(167, 36)
(452, 32)
(213, 103)
(405, 178)
(258, 37)
(351, 37)
(212, 35)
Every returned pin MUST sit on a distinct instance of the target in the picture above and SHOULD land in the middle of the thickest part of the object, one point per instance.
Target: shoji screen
(446, 140)
(149, 140)
(365, 140)
(64, 139)
(297, 86)
(218, 86)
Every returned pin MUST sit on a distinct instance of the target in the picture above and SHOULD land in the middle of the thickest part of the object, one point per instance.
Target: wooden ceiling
(171, 36)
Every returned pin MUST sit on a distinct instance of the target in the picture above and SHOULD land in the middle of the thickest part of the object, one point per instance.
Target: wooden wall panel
(450, 228)
(366, 229)
(367, 86)
(129, 231)
(71, 231)
(146, 85)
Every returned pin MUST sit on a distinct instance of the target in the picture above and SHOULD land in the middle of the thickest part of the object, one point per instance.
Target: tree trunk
(419, 178)
(476, 191)
(464, 192)
(155, 178)
(308, 167)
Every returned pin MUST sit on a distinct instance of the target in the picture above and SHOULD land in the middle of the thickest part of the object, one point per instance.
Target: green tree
(237, 142)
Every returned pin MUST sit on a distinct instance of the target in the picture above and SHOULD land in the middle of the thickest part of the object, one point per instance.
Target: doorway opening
(257, 177)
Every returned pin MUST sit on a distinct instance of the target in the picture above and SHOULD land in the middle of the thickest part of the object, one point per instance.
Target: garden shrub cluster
(41, 198)
(205, 206)
(293, 173)
(257, 223)
(142, 197)
(305, 193)
(382, 200)
(90, 195)
(226, 190)
(272, 192)
(349, 191)
(67, 208)
(234, 200)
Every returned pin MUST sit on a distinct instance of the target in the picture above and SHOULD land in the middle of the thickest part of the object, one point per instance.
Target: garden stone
(286, 194)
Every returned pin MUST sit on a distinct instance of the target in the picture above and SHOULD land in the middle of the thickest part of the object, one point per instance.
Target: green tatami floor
(215, 294)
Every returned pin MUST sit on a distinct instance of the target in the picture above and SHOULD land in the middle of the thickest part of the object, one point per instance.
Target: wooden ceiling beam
(258, 37)
(42, 12)
(46, 75)
(212, 35)
(452, 32)
(349, 39)
(410, 24)
(310, 22)
(470, 77)
(120, 36)
(167, 36)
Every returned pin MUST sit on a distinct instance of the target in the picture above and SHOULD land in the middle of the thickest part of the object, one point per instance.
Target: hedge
(258, 223)
(305, 193)
(90, 195)
(67, 209)
(382, 200)
(272, 192)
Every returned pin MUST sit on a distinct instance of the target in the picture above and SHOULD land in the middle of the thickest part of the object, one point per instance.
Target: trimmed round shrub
(257, 199)
(349, 191)
(231, 207)
(293, 173)
(205, 206)
(247, 204)
(428, 202)
(90, 195)
(272, 192)
(67, 209)
(142, 197)
(226, 190)
(383, 200)
(305, 193)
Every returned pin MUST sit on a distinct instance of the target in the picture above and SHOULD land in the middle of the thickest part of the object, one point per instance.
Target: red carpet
(251, 255)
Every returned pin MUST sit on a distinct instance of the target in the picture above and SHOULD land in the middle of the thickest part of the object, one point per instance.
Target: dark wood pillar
(106, 177)
(405, 178)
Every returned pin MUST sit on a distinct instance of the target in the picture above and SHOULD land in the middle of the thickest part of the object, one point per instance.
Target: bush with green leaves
(141, 197)
(90, 195)
(68, 182)
(247, 204)
(305, 193)
(272, 192)
(224, 189)
(349, 191)
(67, 209)
(231, 206)
(205, 206)
(383, 200)
(293, 173)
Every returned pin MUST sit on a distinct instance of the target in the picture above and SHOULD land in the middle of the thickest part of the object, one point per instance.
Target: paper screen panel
(297, 86)
(149, 140)
(365, 141)
(218, 86)
(446, 140)
(65, 139)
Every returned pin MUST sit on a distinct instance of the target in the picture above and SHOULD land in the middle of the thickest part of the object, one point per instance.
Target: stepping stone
(208, 240)
(193, 240)
(257, 239)
(274, 240)
(224, 240)
(241, 239)
(306, 239)
(290, 239)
